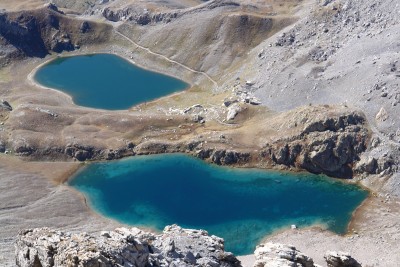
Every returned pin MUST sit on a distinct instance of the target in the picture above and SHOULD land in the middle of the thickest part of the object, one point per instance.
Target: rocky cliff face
(122, 247)
(320, 139)
(38, 32)
(28, 32)
(142, 16)
(324, 144)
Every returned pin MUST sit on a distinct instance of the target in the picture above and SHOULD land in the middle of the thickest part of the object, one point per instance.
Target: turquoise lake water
(106, 81)
(240, 205)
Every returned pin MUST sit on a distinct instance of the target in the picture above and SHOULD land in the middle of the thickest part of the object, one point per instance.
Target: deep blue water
(106, 81)
(240, 205)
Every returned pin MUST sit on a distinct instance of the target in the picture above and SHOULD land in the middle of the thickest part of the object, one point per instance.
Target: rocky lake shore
(298, 86)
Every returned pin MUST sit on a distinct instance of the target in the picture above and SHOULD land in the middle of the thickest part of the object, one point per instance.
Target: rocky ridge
(122, 247)
(329, 143)
(134, 247)
(339, 51)
(142, 16)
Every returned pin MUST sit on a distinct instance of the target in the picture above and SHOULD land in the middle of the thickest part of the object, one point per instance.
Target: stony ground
(342, 52)
(31, 196)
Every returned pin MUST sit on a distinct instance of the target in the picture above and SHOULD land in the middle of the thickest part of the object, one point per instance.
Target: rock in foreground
(122, 247)
(175, 247)
(340, 259)
(279, 255)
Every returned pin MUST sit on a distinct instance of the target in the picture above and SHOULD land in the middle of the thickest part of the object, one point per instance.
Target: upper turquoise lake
(240, 205)
(106, 81)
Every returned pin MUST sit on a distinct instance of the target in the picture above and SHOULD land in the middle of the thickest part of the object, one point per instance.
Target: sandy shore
(373, 237)
(32, 195)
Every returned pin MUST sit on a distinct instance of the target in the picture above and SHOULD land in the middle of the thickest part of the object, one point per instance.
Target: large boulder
(233, 111)
(280, 255)
(189, 247)
(45, 247)
(340, 259)
(4, 105)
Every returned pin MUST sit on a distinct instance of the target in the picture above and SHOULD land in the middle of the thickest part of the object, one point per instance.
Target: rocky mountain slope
(39, 32)
(223, 33)
(340, 51)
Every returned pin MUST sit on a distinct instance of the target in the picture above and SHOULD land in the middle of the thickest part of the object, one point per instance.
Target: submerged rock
(122, 247)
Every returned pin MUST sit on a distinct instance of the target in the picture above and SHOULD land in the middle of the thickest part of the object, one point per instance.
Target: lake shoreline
(158, 84)
(365, 207)
(212, 176)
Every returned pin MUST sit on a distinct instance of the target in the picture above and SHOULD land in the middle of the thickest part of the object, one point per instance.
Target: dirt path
(166, 58)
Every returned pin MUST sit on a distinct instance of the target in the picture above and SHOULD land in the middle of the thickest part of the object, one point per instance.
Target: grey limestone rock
(233, 111)
(122, 247)
(279, 255)
(189, 247)
(85, 27)
(382, 115)
(45, 247)
(53, 7)
(4, 105)
(227, 157)
(327, 145)
(367, 164)
(286, 39)
(340, 259)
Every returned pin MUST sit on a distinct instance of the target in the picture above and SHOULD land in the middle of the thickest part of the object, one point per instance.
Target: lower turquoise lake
(106, 81)
(240, 205)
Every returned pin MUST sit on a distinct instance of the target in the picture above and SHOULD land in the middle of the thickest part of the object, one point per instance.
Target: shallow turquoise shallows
(240, 205)
(106, 81)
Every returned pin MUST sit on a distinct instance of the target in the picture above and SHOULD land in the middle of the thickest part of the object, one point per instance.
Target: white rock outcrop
(233, 111)
(340, 259)
(122, 247)
(280, 255)
(175, 247)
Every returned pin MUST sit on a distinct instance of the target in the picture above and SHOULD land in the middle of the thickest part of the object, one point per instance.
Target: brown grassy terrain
(21, 5)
